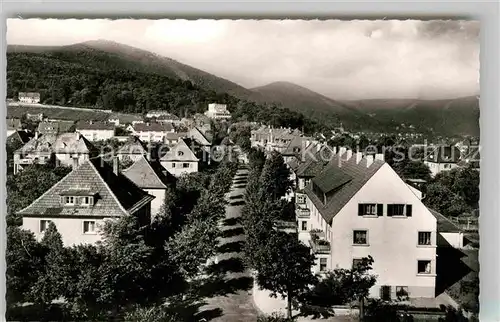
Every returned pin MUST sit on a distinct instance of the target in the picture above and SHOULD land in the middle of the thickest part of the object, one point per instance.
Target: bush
(275, 317)
(151, 314)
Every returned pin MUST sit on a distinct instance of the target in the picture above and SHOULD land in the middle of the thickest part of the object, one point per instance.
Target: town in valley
(140, 188)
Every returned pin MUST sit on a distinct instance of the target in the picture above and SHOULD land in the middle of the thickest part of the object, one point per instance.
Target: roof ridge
(148, 163)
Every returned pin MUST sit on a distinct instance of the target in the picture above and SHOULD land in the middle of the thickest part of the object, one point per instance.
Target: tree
(275, 177)
(408, 169)
(284, 268)
(442, 199)
(342, 286)
(24, 257)
(462, 181)
(53, 276)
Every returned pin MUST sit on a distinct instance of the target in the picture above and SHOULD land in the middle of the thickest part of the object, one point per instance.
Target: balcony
(320, 246)
(303, 213)
(289, 227)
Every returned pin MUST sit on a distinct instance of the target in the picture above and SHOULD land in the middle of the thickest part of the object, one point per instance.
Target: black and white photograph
(242, 170)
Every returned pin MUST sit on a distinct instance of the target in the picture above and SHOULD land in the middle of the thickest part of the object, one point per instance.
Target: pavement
(233, 301)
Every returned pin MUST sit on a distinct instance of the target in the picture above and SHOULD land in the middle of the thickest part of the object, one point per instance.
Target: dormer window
(69, 200)
(87, 201)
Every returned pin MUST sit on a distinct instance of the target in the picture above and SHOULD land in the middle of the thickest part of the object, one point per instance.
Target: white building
(351, 206)
(442, 158)
(96, 131)
(30, 98)
(180, 159)
(218, 111)
(150, 132)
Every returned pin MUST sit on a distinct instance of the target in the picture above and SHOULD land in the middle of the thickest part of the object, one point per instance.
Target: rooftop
(148, 174)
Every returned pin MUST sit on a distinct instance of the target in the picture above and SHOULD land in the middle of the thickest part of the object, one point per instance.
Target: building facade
(30, 98)
(218, 111)
(96, 131)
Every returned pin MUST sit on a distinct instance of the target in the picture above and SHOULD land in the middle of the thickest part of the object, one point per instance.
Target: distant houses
(442, 158)
(29, 97)
(55, 127)
(96, 131)
(180, 159)
(218, 111)
(13, 125)
(150, 132)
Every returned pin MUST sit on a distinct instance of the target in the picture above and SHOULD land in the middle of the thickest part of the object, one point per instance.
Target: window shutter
(380, 209)
(390, 210)
(360, 209)
(408, 210)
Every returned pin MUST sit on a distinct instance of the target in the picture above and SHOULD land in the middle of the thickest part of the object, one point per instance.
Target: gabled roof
(133, 146)
(54, 127)
(198, 136)
(444, 154)
(294, 147)
(147, 174)
(41, 144)
(352, 177)
(104, 126)
(331, 178)
(115, 195)
(180, 152)
(444, 225)
(311, 166)
(13, 124)
(72, 143)
(22, 136)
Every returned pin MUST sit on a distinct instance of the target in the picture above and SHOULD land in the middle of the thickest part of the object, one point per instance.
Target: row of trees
(134, 267)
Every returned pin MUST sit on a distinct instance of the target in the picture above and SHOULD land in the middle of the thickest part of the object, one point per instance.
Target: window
(180, 153)
(370, 209)
(301, 199)
(44, 224)
(356, 262)
(185, 165)
(402, 292)
(88, 227)
(322, 264)
(424, 267)
(304, 225)
(87, 201)
(385, 292)
(360, 237)
(424, 238)
(69, 200)
(399, 210)
(173, 164)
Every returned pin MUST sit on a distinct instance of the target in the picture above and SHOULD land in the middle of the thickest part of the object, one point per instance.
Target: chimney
(369, 160)
(36, 135)
(77, 135)
(342, 150)
(379, 156)
(75, 163)
(359, 156)
(116, 165)
(334, 149)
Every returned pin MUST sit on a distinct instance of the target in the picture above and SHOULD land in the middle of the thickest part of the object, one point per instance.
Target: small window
(370, 209)
(69, 200)
(322, 264)
(424, 238)
(356, 262)
(360, 237)
(185, 165)
(44, 224)
(399, 210)
(173, 164)
(385, 292)
(402, 292)
(87, 201)
(180, 153)
(89, 227)
(304, 225)
(424, 267)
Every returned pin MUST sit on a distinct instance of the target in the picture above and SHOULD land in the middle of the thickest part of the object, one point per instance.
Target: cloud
(341, 59)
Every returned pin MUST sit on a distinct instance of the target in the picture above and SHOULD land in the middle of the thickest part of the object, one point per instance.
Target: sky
(354, 59)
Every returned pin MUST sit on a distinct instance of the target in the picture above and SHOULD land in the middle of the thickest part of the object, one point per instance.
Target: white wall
(392, 240)
(71, 229)
(157, 202)
(439, 167)
(97, 135)
(66, 159)
(452, 239)
(178, 170)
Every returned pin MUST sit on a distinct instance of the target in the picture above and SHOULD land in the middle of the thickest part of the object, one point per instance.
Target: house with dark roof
(81, 202)
(20, 137)
(72, 149)
(150, 131)
(132, 150)
(151, 177)
(442, 158)
(55, 127)
(181, 158)
(13, 125)
(95, 130)
(38, 150)
(356, 205)
(172, 138)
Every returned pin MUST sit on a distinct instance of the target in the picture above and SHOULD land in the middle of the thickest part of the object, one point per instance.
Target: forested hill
(72, 82)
